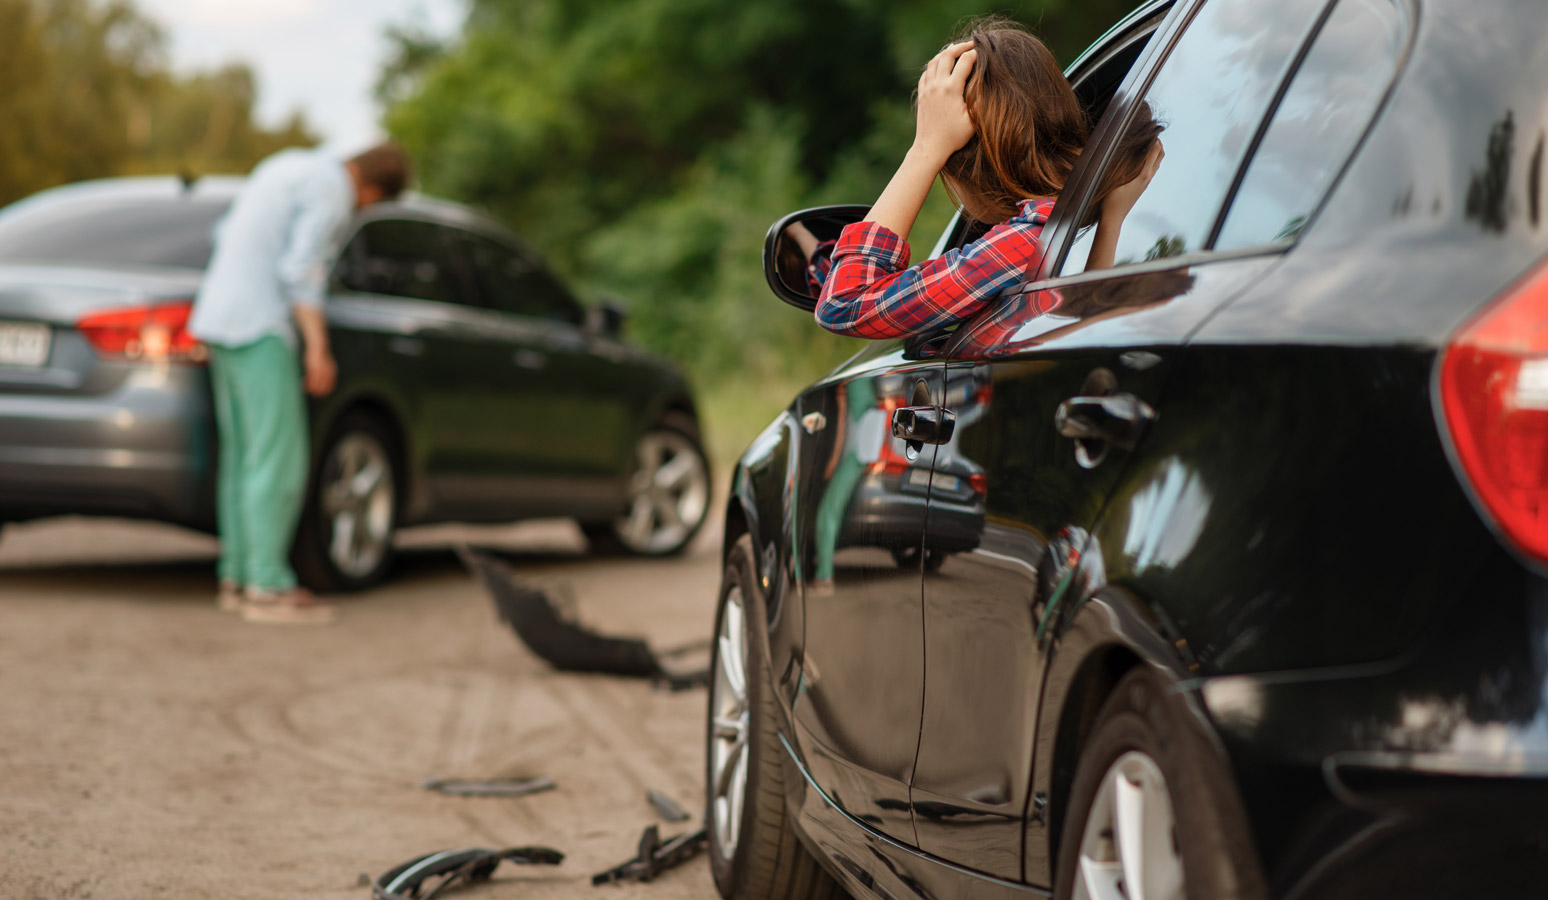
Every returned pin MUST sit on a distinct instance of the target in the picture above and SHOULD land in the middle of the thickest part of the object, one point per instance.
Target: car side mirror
(799, 241)
(607, 317)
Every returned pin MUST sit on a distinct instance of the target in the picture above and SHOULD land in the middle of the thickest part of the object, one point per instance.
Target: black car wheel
(1151, 809)
(345, 538)
(754, 852)
(668, 493)
(908, 558)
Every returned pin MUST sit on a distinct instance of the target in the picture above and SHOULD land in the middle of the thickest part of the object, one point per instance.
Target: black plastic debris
(654, 857)
(454, 867)
(489, 787)
(666, 807)
(562, 643)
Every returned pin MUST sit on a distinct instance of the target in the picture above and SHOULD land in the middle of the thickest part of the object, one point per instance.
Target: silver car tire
(345, 541)
(668, 493)
(1152, 810)
(753, 849)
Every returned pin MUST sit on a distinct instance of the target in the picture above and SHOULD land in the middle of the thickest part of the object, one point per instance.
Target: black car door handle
(1116, 419)
(923, 424)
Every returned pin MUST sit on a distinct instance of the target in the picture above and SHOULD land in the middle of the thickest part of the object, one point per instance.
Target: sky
(319, 56)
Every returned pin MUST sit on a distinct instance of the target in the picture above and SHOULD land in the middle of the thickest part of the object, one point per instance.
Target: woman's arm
(871, 292)
(942, 127)
(803, 237)
(1116, 207)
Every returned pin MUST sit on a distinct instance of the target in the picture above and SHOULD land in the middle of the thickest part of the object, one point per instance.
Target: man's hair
(386, 166)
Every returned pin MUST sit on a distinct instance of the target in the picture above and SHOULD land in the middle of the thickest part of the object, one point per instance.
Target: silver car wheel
(729, 726)
(357, 502)
(1129, 848)
(668, 495)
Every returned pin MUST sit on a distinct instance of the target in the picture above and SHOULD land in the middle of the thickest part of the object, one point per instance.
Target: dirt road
(153, 746)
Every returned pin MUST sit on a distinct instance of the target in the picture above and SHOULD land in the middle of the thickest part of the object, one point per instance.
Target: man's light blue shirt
(273, 249)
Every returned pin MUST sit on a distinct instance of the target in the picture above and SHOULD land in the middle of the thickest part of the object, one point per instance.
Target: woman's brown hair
(1029, 127)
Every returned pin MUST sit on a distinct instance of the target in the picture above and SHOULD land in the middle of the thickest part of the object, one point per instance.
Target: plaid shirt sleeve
(994, 334)
(818, 267)
(871, 293)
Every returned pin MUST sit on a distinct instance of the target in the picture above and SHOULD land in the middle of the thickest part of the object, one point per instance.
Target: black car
(1258, 606)
(472, 386)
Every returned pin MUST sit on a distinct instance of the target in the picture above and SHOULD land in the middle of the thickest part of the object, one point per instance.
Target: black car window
(1325, 110)
(553, 298)
(405, 258)
(513, 283)
(1210, 94)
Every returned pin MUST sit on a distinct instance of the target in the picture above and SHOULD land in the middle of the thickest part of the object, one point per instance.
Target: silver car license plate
(23, 344)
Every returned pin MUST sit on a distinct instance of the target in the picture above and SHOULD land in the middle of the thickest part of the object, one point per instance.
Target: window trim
(1063, 222)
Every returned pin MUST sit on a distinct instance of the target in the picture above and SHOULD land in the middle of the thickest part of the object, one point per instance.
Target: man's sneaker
(296, 606)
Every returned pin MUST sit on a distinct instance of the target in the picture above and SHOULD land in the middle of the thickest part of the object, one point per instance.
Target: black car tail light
(1494, 395)
(158, 332)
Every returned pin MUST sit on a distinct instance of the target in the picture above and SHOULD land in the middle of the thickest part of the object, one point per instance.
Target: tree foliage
(88, 93)
(648, 144)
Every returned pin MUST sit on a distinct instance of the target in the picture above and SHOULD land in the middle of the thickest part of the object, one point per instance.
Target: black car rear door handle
(923, 424)
(1116, 419)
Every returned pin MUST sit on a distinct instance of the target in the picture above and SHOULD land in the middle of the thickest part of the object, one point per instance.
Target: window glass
(552, 297)
(407, 259)
(1210, 95)
(112, 231)
(511, 283)
(1323, 113)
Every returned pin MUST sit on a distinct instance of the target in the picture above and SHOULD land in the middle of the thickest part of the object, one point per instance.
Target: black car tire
(676, 434)
(1143, 722)
(356, 435)
(766, 861)
(908, 558)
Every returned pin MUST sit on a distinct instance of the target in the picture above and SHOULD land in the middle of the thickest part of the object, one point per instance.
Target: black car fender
(1101, 638)
(762, 506)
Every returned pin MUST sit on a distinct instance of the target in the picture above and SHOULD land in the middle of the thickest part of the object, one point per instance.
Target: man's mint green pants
(260, 413)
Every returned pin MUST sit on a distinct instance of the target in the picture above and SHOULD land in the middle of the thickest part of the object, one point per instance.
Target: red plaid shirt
(871, 293)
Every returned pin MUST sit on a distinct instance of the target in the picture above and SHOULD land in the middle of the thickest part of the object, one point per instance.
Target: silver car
(472, 386)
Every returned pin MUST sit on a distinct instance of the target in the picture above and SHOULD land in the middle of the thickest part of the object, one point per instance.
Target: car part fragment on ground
(655, 857)
(489, 787)
(667, 807)
(469, 866)
(562, 643)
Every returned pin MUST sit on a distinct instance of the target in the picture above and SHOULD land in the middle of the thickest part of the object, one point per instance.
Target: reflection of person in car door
(862, 426)
(1001, 125)
(269, 270)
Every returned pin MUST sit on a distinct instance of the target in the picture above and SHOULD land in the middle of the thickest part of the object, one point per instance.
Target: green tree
(88, 93)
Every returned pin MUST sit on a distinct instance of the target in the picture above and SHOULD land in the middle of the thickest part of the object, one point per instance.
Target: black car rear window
(112, 231)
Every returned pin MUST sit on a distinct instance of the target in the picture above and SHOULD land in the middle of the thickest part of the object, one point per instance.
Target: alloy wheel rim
(357, 503)
(730, 720)
(1129, 849)
(668, 495)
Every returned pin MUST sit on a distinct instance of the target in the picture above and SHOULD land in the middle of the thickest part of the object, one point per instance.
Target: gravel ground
(156, 747)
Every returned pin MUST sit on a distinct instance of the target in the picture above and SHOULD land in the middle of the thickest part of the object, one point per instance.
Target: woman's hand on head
(1122, 199)
(943, 124)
